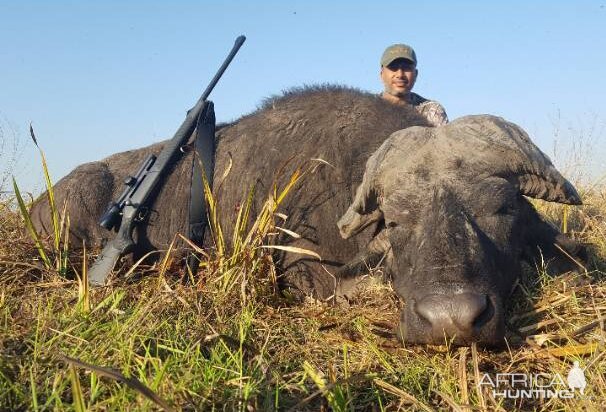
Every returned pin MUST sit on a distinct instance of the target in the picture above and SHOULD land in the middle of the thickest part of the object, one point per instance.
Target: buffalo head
(456, 224)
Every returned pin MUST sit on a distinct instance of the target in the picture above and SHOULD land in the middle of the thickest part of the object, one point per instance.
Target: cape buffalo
(442, 208)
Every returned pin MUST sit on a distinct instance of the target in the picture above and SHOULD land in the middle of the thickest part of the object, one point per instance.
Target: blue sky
(100, 77)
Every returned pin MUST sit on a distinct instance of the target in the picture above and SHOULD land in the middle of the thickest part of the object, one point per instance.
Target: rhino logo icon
(576, 378)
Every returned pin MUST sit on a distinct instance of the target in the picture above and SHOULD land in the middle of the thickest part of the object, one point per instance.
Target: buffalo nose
(461, 315)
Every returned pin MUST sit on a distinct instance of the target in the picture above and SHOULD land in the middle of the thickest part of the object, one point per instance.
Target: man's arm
(434, 113)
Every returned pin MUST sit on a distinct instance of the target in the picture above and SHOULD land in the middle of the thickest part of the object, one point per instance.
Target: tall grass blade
(32, 383)
(213, 216)
(166, 260)
(51, 202)
(242, 221)
(78, 401)
(293, 180)
(62, 258)
(294, 249)
(138, 263)
(83, 290)
(289, 232)
(30, 226)
(49, 193)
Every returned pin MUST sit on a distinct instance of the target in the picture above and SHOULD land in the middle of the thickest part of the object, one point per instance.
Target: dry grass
(198, 345)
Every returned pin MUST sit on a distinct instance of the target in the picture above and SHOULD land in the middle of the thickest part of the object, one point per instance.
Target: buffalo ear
(374, 253)
(544, 242)
(364, 209)
(352, 222)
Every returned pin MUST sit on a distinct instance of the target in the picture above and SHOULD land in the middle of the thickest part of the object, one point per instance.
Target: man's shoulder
(431, 109)
(418, 100)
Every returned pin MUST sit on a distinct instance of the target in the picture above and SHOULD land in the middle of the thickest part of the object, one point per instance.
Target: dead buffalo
(443, 208)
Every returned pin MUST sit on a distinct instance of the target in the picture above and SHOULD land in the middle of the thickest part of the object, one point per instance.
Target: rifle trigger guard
(185, 148)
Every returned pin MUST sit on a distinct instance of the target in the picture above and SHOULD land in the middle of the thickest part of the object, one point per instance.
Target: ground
(224, 339)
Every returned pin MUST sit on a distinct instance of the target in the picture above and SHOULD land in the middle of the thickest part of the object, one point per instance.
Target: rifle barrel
(238, 43)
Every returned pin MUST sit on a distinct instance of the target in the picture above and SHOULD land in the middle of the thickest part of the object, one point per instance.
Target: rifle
(130, 208)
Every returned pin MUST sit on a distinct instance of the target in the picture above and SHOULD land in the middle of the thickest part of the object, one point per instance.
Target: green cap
(398, 51)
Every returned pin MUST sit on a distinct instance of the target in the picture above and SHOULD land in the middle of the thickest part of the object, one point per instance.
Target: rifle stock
(121, 244)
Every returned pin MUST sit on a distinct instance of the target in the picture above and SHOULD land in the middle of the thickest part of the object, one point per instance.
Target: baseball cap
(398, 51)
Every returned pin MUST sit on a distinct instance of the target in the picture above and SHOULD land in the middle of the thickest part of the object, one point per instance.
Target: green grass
(210, 344)
(264, 355)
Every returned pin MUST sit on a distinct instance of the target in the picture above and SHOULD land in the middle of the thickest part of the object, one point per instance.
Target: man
(398, 74)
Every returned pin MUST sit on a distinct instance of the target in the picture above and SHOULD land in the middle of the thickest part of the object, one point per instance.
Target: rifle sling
(202, 162)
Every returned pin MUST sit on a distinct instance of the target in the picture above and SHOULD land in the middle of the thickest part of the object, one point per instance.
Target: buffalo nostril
(470, 310)
(460, 314)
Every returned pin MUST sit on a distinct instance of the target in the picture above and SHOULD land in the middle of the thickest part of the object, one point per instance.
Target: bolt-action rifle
(130, 208)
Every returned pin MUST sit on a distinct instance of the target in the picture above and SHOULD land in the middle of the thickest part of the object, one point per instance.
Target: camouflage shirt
(430, 109)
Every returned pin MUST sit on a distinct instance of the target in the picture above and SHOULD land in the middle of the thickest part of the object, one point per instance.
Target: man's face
(399, 77)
